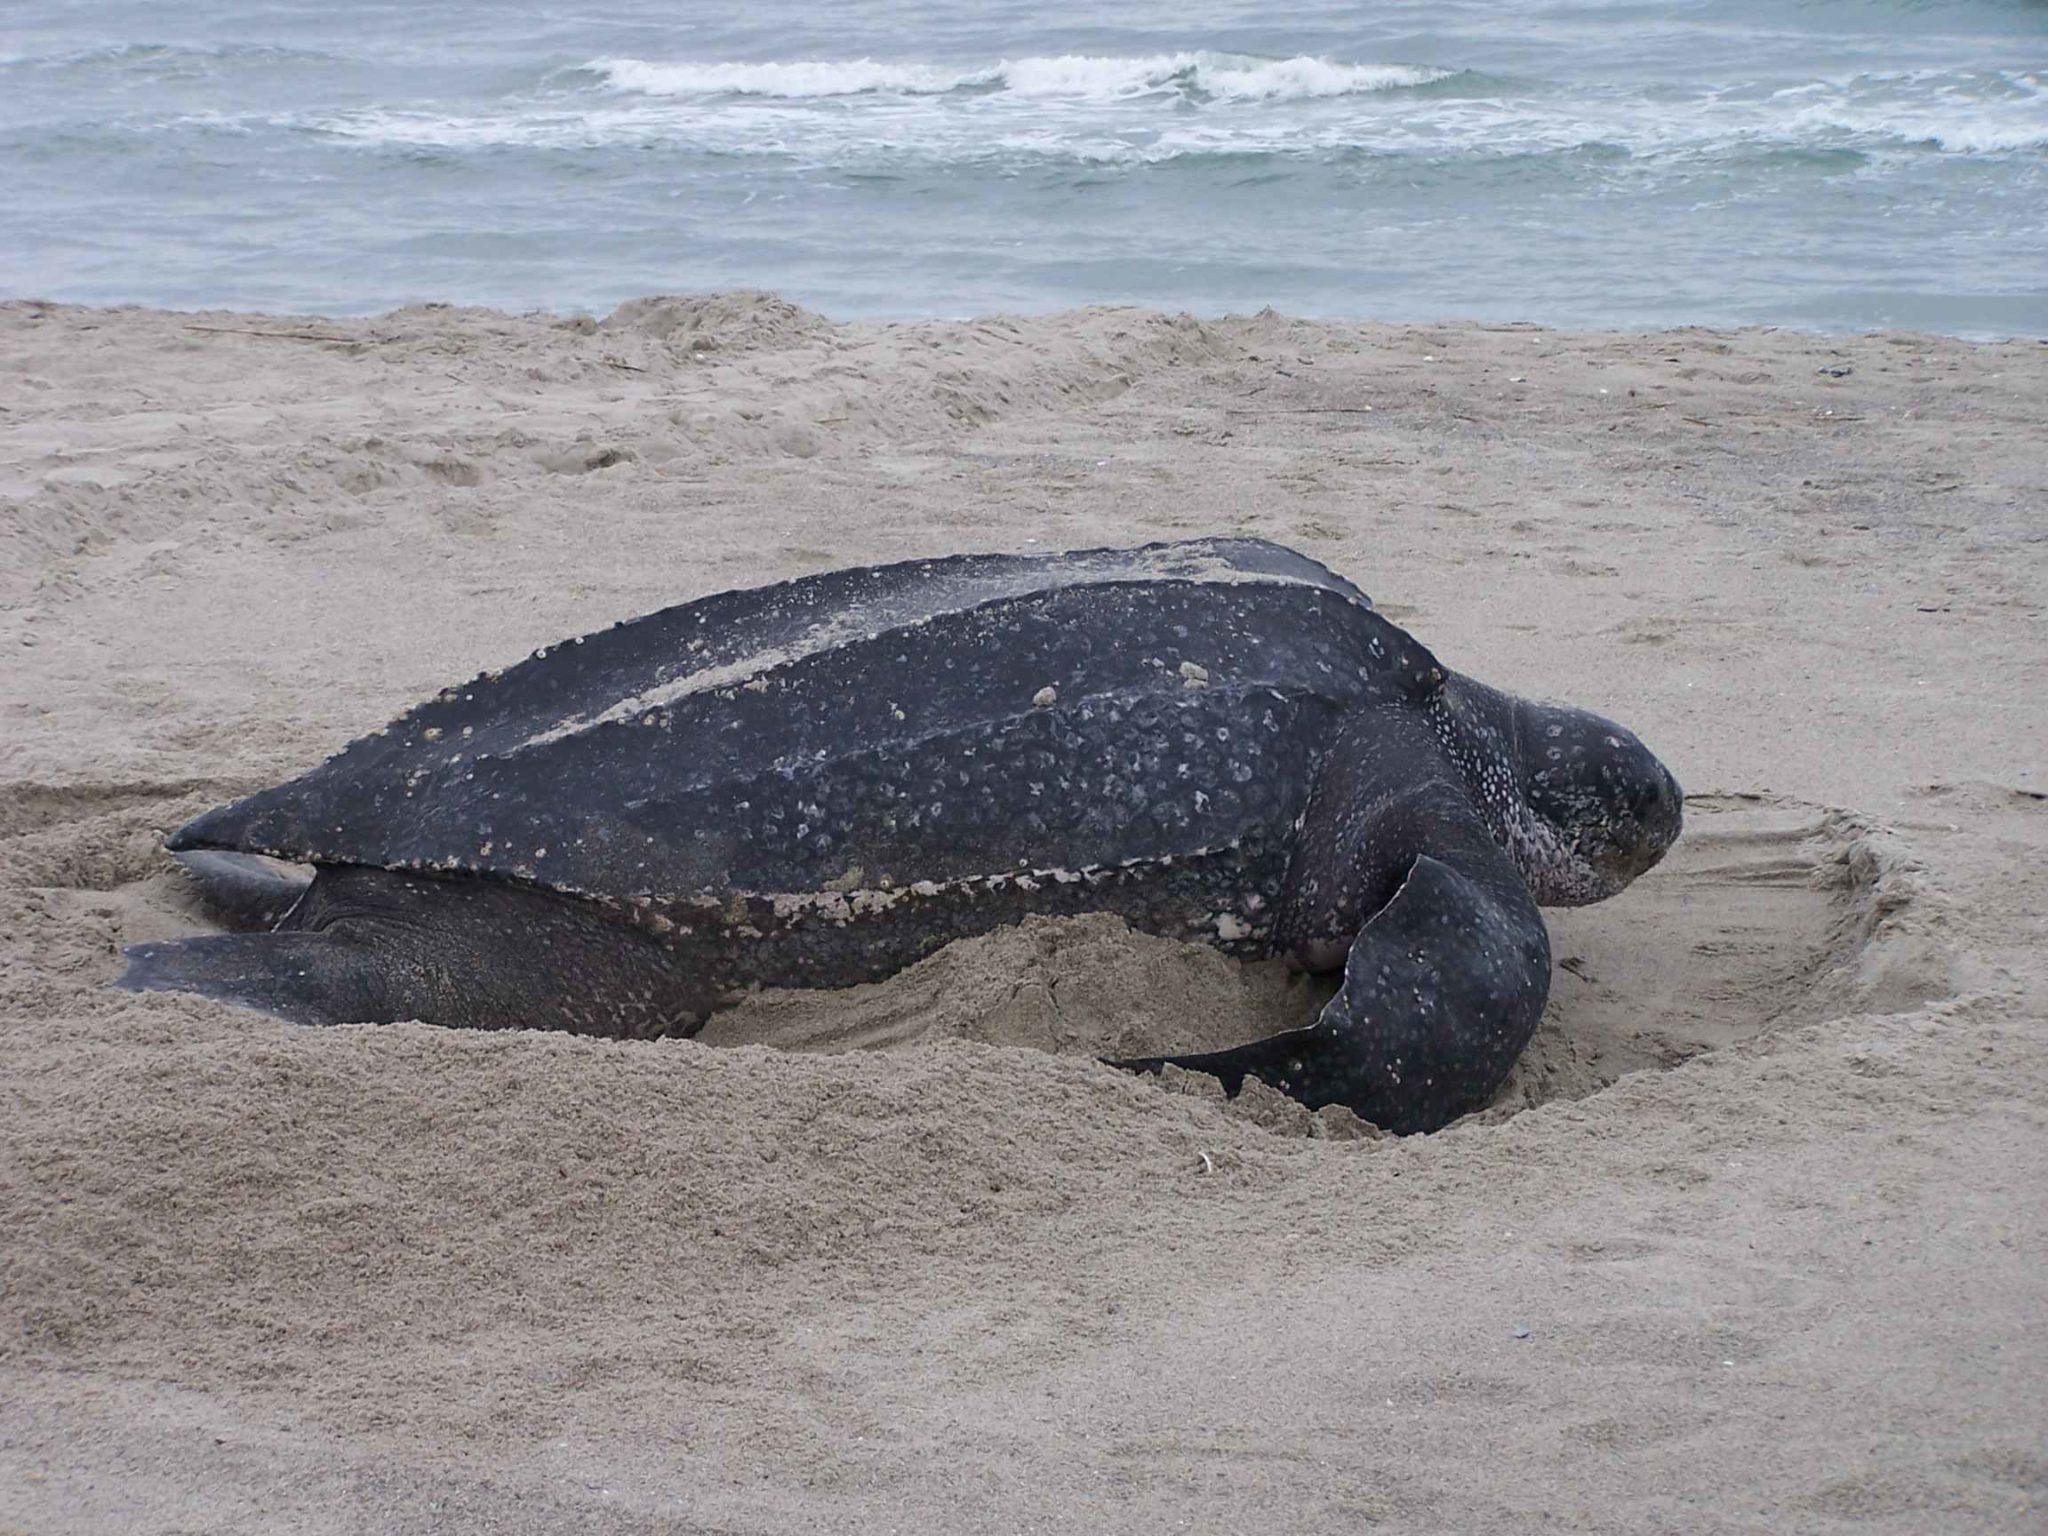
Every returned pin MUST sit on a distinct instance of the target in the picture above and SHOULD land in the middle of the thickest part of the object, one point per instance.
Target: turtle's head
(1580, 804)
(1608, 807)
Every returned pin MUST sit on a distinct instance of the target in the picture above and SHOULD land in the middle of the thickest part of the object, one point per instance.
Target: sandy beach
(1753, 1241)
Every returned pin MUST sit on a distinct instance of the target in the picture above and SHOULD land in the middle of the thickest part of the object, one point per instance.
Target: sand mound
(717, 322)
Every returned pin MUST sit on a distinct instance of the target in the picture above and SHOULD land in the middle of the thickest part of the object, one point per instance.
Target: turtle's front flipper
(1443, 983)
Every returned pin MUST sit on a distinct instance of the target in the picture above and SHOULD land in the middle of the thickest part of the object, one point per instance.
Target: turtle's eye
(1663, 810)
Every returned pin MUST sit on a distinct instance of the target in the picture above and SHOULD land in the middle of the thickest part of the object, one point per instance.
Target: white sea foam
(939, 128)
(1980, 114)
(1080, 77)
(796, 80)
(1135, 111)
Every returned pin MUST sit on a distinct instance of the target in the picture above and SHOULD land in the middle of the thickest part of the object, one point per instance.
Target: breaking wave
(1079, 77)
(1979, 113)
(1079, 109)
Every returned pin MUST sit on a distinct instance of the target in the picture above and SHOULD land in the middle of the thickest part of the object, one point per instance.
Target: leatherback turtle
(816, 783)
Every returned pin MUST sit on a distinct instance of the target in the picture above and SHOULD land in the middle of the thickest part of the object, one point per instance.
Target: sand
(1753, 1240)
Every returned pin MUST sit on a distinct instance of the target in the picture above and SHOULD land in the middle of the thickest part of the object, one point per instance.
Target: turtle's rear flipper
(1443, 983)
(308, 978)
(377, 946)
(240, 890)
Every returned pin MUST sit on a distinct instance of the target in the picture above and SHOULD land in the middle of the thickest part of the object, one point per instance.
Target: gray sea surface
(1836, 164)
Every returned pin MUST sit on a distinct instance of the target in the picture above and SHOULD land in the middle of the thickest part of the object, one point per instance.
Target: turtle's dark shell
(933, 722)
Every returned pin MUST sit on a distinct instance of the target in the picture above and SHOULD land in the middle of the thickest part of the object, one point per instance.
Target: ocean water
(1835, 164)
